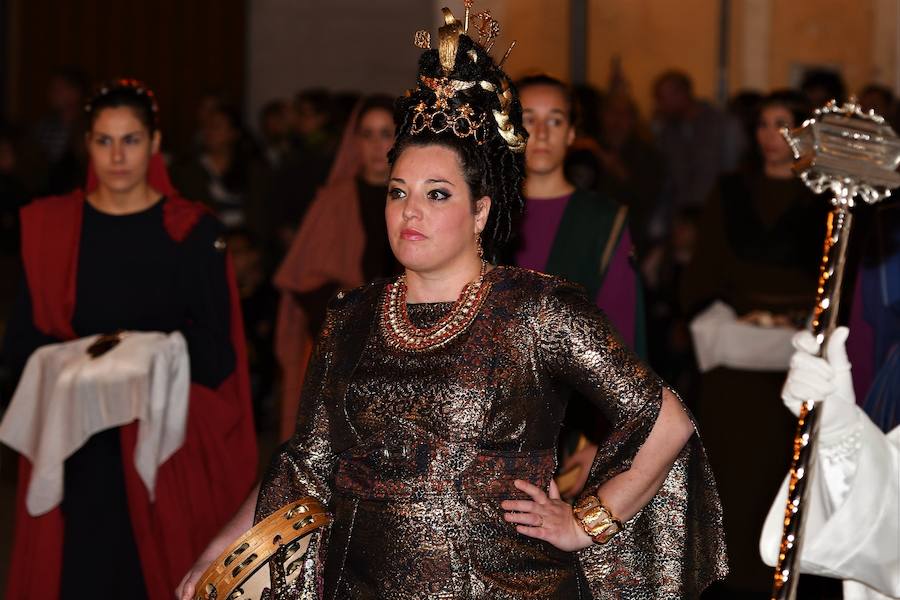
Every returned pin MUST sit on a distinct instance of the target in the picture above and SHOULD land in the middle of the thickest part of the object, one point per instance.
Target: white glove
(814, 378)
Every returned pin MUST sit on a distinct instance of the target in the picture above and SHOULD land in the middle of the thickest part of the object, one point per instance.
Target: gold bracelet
(597, 520)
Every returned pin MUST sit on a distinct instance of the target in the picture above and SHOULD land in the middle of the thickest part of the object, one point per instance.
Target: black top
(773, 221)
(132, 275)
(758, 247)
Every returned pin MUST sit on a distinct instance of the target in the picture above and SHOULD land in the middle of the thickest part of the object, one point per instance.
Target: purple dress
(617, 295)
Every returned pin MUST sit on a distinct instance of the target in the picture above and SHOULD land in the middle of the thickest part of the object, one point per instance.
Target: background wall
(541, 28)
(294, 44)
(770, 41)
(339, 44)
(367, 46)
(650, 37)
(182, 49)
(255, 50)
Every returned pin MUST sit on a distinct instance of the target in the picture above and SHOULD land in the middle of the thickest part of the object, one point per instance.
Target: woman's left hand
(545, 517)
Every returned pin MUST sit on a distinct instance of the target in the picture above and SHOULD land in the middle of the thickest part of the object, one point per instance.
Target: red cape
(201, 486)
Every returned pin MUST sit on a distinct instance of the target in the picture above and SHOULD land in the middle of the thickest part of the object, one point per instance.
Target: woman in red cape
(175, 277)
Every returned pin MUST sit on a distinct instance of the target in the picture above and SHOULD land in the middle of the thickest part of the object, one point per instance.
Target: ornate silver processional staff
(853, 155)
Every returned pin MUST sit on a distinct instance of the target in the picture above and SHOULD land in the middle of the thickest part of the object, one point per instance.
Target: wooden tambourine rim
(256, 546)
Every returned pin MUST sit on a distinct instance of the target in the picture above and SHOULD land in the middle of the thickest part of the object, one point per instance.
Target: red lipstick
(412, 235)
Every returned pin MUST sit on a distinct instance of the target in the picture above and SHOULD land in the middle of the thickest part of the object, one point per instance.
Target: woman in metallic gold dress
(433, 401)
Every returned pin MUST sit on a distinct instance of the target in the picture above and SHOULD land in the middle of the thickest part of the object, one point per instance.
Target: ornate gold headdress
(462, 119)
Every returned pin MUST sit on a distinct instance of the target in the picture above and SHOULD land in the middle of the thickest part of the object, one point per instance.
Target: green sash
(588, 226)
(587, 238)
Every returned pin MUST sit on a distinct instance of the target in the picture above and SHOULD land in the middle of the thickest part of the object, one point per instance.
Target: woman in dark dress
(433, 401)
(129, 254)
(758, 252)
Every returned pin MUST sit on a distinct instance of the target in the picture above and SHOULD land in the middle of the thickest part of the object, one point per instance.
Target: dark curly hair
(490, 168)
(131, 93)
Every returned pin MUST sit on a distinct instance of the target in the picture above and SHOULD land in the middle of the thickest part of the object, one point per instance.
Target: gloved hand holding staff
(850, 153)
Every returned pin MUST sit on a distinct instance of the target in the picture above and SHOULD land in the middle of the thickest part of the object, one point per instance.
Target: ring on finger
(541, 517)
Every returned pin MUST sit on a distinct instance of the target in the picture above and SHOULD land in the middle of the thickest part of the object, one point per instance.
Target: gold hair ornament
(448, 40)
(440, 117)
(462, 120)
(488, 29)
(515, 141)
(422, 40)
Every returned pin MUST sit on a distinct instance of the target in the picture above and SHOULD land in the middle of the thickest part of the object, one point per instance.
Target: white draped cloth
(65, 396)
(852, 529)
(722, 340)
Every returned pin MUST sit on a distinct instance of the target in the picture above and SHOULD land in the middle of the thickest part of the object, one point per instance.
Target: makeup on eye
(435, 194)
(438, 194)
(432, 193)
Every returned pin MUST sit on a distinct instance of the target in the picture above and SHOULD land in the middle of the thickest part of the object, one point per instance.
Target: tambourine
(281, 538)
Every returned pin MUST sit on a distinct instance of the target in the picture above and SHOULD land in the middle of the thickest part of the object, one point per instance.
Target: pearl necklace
(402, 334)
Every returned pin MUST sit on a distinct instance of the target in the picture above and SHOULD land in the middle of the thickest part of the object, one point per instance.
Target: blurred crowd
(261, 180)
(669, 168)
(663, 166)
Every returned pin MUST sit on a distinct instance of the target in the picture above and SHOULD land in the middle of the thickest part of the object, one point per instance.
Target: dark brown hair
(130, 93)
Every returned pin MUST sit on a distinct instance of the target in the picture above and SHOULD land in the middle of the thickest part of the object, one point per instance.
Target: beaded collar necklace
(402, 334)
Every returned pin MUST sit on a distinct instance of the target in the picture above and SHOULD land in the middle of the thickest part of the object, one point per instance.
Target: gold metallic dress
(413, 453)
